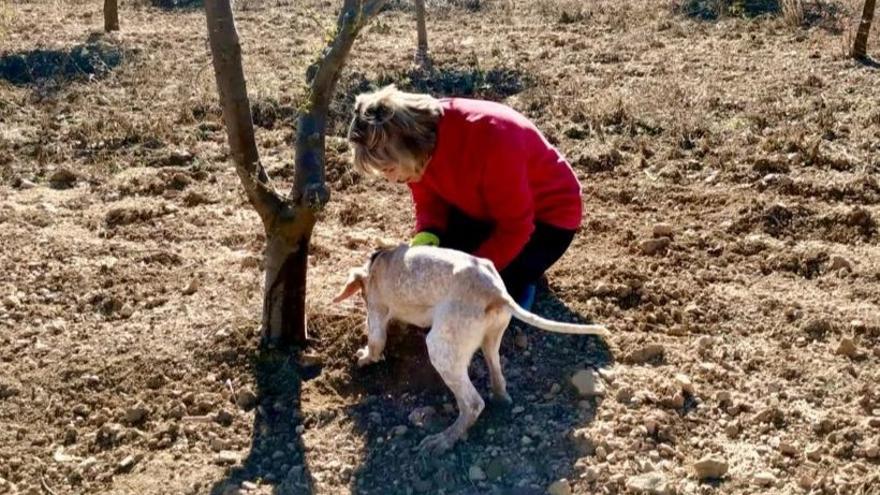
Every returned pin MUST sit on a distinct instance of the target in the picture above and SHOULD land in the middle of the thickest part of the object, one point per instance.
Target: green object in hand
(425, 239)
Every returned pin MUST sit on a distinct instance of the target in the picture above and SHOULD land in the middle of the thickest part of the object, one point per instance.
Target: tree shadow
(92, 59)
(825, 15)
(277, 452)
(518, 449)
(178, 4)
(868, 62)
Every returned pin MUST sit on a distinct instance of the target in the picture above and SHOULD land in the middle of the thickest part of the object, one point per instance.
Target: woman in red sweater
(484, 180)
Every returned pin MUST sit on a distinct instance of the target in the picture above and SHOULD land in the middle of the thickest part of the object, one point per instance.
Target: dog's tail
(552, 326)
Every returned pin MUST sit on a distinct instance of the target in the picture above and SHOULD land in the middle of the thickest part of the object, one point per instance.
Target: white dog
(463, 300)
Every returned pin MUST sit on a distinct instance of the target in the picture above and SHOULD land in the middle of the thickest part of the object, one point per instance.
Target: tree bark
(111, 15)
(288, 221)
(860, 45)
(422, 50)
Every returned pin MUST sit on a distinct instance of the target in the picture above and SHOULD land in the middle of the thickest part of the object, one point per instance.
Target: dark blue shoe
(527, 299)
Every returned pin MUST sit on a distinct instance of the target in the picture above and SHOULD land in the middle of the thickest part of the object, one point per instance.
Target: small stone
(517, 410)
(422, 416)
(227, 457)
(806, 481)
(218, 444)
(399, 431)
(588, 384)
(648, 483)
(662, 230)
(246, 399)
(224, 417)
(127, 464)
(788, 448)
(847, 347)
(62, 178)
(625, 394)
(646, 353)
(654, 246)
(475, 473)
(814, 452)
(710, 467)
(521, 340)
(249, 486)
(685, 383)
(126, 311)
(137, 414)
(705, 342)
(872, 452)
(192, 287)
(525, 440)
(560, 487)
(583, 441)
(838, 262)
(26, 184)
(764, 478)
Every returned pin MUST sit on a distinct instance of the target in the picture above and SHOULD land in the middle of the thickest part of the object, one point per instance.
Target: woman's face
(393, 173)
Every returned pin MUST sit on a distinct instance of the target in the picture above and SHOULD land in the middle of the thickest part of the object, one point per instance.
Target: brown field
(130, 279)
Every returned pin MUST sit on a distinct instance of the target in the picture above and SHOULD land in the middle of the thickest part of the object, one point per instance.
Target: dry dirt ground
(730, 167)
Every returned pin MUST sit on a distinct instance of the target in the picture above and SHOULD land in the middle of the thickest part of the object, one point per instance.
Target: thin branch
(309, 188)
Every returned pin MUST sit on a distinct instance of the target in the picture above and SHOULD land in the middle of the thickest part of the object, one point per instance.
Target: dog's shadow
(520, 448)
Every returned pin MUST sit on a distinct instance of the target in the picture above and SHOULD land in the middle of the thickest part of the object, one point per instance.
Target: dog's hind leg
(491, 345)
(450, 352)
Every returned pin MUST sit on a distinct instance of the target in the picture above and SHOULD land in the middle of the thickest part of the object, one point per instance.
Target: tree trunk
(111, 15)
(288, 221)
(422, 53)
(860, 45)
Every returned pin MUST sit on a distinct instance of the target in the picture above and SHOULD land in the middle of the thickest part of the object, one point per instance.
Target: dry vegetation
(729, 156)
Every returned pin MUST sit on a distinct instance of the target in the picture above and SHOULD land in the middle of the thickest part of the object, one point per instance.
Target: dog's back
(426, 276)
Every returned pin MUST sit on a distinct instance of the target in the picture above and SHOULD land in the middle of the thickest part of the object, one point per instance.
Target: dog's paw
(364, 358)
(434, 445)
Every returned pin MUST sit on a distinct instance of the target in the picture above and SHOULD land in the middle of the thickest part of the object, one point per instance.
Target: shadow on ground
(518, 449)
(84, 61)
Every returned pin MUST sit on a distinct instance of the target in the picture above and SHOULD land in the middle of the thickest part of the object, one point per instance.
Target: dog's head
(358, 278)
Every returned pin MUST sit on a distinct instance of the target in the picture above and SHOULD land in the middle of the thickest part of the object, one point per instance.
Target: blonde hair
(391, 128)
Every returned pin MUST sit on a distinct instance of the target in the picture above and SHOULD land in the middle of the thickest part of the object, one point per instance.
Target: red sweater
(494, 165)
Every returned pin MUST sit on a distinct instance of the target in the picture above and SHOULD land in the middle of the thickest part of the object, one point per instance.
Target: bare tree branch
(309, 188)
(226, 54)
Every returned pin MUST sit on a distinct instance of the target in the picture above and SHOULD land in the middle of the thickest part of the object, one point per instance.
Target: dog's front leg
(377, 334)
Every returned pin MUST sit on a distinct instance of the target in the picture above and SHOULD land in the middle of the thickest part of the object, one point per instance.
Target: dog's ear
(355, 282)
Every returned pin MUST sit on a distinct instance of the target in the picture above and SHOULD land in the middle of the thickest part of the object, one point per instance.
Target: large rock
(561, 487)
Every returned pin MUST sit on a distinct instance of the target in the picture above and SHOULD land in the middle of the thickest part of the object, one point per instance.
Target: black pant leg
(545, 247)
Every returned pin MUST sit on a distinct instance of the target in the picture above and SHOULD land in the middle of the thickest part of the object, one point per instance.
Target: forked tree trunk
(422, 50)
(288, 221)
(860, 45)
(111, 15)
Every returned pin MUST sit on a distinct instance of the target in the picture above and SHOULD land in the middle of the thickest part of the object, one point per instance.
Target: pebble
(847, 347)
(399, 431)
(127, 464)
(560, 487)
(838, 262)
(806, 481)
(521, 340)
(588, 384)
(662, 230)
(249, 485)
(764, 478)
(684, 381)
(645, 353)
(62, 178)
(246, 399)
(227, 457)
(654, 246)
(421, 416)
(710, 467)
(649, 483)
(814, 452)
(137, 414)
(476, 473)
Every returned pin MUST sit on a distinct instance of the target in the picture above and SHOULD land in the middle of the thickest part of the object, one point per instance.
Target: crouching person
(484, 180)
